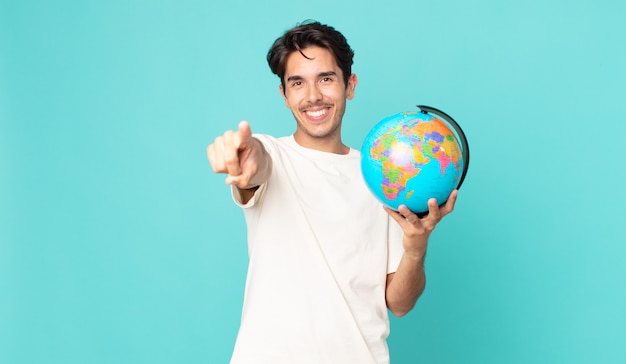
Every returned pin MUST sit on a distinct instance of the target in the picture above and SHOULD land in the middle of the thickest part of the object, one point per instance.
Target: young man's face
(316, 94)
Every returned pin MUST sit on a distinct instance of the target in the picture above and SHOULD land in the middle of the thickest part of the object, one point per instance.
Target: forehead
(317, 60)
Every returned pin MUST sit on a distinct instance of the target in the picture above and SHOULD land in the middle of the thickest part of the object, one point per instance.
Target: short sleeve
(394, 246)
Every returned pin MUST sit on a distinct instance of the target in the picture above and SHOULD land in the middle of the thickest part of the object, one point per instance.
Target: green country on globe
(410, 157)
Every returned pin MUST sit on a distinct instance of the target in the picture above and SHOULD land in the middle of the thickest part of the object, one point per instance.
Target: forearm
(406, 285)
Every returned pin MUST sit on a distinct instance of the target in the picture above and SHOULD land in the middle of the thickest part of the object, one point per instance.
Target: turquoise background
(119, 245)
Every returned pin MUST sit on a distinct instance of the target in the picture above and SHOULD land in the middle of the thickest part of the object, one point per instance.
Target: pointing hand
(237, 154)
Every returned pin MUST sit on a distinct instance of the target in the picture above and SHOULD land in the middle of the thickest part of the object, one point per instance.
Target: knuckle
(216, 167)
(230, 159)
(228, 135)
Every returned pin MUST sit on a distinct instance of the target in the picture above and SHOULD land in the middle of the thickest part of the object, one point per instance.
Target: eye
(327, 79)
(296, 83)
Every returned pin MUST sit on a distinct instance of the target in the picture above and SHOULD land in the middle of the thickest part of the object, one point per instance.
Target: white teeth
(316, 114)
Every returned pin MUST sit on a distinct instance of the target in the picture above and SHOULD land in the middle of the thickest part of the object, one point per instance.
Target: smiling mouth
(316, 113)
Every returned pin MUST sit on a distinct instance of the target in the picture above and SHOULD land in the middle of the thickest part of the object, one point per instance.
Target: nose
(314, 93)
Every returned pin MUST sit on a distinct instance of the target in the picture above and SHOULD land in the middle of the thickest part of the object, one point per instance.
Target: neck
(328, 145)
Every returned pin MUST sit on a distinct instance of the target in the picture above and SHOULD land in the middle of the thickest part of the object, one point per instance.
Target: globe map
(411, 157)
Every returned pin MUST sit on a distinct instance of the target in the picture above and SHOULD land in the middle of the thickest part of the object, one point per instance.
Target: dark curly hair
(306, 34)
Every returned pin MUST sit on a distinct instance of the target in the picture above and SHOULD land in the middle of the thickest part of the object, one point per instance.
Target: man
(326, 261)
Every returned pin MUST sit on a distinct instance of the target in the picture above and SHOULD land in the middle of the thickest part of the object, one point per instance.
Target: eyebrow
(321, 74)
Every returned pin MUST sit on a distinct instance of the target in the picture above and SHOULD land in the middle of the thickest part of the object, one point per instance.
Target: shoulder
(271, 143)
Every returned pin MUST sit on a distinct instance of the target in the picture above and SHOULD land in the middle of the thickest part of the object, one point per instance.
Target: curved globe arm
(461, 135)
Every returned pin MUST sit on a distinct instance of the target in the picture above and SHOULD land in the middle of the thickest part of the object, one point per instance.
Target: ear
(352, 81)
(282, 93)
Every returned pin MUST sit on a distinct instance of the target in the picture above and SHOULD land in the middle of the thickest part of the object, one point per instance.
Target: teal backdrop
(119, 245)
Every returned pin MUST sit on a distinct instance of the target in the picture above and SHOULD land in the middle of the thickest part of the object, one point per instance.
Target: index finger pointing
(244, 134)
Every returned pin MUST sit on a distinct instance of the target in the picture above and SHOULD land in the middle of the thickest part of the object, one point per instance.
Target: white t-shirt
(320, 248)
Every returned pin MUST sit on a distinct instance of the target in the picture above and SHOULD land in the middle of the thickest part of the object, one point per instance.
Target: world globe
(411, 157)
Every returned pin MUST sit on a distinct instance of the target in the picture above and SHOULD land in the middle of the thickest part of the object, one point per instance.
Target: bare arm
(406, 285)
(243, 158)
